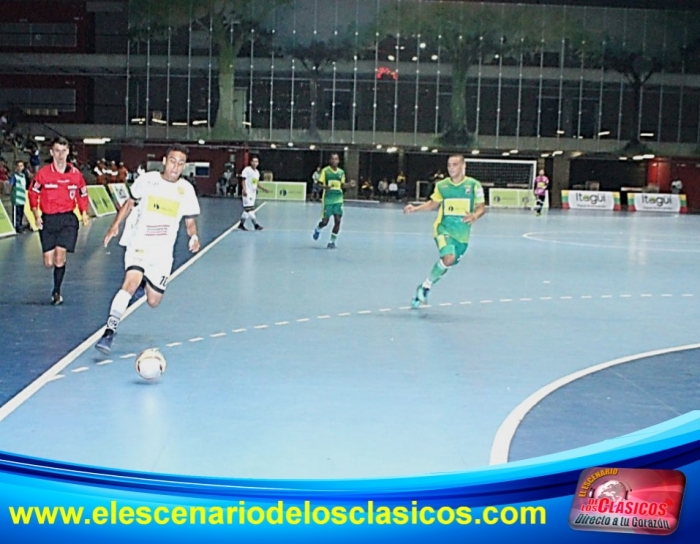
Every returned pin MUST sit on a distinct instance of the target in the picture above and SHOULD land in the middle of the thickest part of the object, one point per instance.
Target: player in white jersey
(149, 235)
(250, 179)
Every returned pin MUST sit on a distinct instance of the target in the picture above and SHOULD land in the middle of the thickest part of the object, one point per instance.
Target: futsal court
(288, 360)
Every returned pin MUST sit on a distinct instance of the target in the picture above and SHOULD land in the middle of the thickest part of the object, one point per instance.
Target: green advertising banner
(505, 198)
(290, 190)
(282, 190)
(100, 201)
(514, 198)
(6, 228)
(270, 186)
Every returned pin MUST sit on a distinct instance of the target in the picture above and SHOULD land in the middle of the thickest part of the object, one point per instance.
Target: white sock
(119, 304)
(252, 216)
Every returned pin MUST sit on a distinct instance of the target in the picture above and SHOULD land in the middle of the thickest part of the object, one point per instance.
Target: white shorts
(156, 268)
(249, 201)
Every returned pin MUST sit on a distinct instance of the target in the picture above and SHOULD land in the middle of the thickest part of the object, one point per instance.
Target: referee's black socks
(58, 274)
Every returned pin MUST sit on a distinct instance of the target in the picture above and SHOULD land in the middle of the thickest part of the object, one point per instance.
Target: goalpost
(494, 174)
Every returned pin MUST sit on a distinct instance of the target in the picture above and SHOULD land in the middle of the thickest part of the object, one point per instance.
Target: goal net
(493, 173)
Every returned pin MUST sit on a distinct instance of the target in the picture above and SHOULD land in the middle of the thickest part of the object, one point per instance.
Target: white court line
(102, 363)
(21, 397)
(80, 369)
(345, 314)
(504, 436)
(525, 299)
(127, 356)
(533, 236)
(418, 233)
(56, 377)
(173, 344)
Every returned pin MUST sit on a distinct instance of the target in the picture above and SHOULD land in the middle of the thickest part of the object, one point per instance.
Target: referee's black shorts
(59, 230)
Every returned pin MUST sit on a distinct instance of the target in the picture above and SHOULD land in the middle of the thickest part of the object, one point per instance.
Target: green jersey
(456, 200)
(332, 182)
(18, 196)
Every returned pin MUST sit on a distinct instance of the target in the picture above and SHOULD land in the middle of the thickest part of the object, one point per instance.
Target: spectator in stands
(113, 173)
(122, 173)
(4, 177)
(221, 185)
(18, 141)
(383, 188)
(393, 190)
(316, 186)
(367, 189)
(401, 182)
(100, 172)
(231, 181)
(676, 186)
(4, 124)
(35, 159)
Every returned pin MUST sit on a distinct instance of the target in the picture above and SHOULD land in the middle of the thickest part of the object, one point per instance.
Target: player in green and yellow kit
(332, 179)
(460, 201)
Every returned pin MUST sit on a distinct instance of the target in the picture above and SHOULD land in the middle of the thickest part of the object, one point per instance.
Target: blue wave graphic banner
(527, 501)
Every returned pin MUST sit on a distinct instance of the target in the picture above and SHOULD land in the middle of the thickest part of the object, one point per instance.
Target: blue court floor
(288, 360)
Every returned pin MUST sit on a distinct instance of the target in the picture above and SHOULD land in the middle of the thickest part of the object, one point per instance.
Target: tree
(233, 22)
(639, 60)
(315, 56)
(637, 68)
(464, 34)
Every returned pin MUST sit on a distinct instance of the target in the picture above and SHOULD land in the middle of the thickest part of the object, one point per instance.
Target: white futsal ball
(150, 364)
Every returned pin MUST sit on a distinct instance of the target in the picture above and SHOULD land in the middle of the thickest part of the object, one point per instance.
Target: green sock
(438, 271)
(334, 237)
